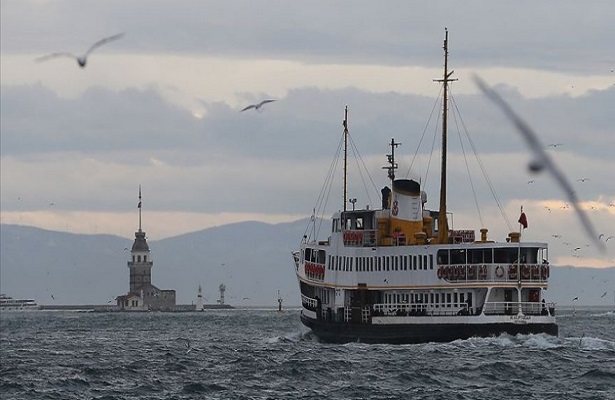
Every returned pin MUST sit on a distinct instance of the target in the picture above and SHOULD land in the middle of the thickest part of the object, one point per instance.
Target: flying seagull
(542, 160)
(257, 106)
(603, 294)
(575, 299)
(82, 60)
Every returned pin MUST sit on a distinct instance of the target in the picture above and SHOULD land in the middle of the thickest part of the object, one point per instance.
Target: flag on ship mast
(523, 219)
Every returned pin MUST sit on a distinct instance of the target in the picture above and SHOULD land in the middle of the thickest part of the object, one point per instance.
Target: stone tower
(142, 295)
(141, 264)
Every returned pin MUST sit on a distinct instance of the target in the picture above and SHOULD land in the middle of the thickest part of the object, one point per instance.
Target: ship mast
(442, 221)
(345, 156)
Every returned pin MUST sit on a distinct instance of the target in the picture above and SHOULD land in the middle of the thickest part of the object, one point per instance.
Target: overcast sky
(161, 108)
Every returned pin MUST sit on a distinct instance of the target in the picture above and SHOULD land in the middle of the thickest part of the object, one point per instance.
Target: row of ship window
(381, 263)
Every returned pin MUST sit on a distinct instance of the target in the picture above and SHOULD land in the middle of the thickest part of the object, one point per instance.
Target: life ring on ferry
(439, 272)
(512, 271)
(525, 271)
(482, 272)
(499, 271)
(535, 271)
(455, 271)
(444, 272)
(462, 272)
(472, 272)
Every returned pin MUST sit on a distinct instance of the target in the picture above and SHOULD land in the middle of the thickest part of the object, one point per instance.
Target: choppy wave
(262, 354)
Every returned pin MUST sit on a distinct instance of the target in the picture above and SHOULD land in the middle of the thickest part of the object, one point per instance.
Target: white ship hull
(10, 304)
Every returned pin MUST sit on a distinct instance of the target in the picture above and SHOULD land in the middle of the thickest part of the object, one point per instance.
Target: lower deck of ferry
(416, 315)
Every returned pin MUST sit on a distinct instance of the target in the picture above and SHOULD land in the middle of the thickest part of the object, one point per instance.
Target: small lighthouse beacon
(199, 300)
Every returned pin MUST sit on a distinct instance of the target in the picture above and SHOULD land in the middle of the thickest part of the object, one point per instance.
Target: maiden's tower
(142, 295)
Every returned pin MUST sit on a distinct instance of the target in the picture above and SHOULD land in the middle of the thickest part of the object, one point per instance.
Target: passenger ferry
(397, 274)
(10, 304)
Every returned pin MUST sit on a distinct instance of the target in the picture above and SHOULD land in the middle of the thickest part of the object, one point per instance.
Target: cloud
(352, 32)
(160, 107)
(104, 131)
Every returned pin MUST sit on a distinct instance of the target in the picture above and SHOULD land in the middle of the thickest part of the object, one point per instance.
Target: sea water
(265, 354)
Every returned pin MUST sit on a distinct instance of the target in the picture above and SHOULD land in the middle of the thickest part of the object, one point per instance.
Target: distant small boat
(8, 303)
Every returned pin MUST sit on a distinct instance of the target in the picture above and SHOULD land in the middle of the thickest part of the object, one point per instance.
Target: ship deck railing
(405, 309)
(309, 302)
(490, 308)
(513, 308)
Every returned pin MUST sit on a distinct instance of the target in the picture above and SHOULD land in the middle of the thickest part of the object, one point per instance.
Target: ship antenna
(345, 155)
(442, 222)
(391, 159)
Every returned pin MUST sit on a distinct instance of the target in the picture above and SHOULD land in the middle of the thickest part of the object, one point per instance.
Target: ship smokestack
(406, 212)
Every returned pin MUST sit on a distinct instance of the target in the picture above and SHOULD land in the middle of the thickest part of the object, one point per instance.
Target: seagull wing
(532, 140)
(103, 41)
(264, 102)
(249, 107)
(54, 55)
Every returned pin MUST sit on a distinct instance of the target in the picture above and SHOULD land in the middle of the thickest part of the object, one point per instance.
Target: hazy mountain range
(252, 259)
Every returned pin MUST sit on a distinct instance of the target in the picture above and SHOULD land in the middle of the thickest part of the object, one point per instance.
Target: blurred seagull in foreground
(82, 60)
(542, 160)
(257, 106)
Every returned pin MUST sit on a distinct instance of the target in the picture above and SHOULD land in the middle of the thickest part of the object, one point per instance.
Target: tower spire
(139, 207)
